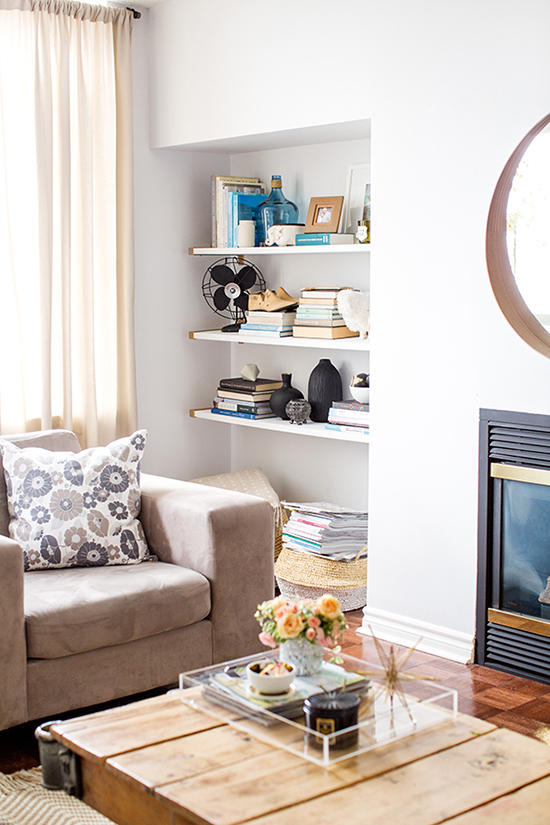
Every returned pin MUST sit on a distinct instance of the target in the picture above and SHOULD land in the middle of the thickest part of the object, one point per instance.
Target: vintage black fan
(226, 286)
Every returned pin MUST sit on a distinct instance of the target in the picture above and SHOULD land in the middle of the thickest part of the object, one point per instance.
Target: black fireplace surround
(513, 600)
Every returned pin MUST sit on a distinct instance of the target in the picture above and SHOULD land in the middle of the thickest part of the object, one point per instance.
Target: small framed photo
(358, 177)
(324, 214)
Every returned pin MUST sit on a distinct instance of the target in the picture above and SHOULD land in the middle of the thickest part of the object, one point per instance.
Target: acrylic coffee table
(164, 761)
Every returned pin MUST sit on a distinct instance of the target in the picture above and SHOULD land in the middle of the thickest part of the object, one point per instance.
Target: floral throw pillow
(76, 509)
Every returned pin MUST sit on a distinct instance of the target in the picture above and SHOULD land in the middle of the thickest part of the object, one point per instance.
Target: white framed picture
(357, 178)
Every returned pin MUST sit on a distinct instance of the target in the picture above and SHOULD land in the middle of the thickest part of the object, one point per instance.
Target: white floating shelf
(348, 248)
(353, 344)
(312, 428)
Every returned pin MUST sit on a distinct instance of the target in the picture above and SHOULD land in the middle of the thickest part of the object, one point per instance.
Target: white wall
(235, 69)
(466, 81)
(172, 213)
(451, 88)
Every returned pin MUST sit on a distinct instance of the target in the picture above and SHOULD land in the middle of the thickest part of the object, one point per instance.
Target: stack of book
(245, 399)
(229, 206)
(268, 324)
(317, 315)
(349, 416)
(326, 530)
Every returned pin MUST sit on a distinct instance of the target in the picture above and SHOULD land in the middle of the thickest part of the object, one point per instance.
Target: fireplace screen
(513, 595)
(524, 541)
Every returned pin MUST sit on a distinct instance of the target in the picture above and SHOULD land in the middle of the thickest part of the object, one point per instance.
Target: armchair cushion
(76, 509)
(72, 611)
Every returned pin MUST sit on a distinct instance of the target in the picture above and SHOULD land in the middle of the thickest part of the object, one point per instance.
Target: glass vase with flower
(301, 629)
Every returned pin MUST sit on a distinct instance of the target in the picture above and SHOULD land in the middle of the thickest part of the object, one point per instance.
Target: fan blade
(246, 277)
(221, 300)
(241, 301)
(222, 274)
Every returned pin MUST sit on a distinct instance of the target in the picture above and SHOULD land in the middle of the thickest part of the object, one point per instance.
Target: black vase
(280, 398)
(325, 386)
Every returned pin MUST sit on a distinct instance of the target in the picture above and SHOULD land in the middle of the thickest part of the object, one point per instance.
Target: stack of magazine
(326, 530)
(231, 690)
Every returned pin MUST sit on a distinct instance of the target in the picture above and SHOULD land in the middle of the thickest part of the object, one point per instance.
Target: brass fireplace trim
(530, 625)
(515, 473)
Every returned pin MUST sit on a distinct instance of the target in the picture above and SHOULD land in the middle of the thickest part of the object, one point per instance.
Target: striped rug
(23, 801)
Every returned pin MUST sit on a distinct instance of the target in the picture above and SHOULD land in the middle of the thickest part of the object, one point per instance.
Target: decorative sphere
(298, 410)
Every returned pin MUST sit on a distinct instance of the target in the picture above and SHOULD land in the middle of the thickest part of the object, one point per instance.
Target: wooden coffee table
(160, 762)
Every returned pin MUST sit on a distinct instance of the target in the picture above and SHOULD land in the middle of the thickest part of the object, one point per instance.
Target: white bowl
(361, 394)
(266, 684)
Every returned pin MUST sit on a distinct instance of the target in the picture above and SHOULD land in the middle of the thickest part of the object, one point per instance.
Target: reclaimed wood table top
(161, 762)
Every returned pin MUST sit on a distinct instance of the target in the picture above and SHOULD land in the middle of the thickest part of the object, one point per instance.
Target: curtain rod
(137, 14)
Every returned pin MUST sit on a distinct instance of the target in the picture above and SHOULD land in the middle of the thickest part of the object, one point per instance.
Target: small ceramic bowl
(361, 394)
(275, 678)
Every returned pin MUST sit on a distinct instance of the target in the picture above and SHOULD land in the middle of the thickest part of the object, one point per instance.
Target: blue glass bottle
(275, 210)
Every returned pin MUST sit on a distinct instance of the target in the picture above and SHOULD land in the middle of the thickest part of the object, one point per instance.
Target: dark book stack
(318, 316)
(349, 416)
(240, 398)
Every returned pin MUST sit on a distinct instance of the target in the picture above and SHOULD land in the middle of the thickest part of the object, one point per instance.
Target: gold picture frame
(323, 214)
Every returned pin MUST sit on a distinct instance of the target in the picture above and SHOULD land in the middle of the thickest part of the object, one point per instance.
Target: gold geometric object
(393, 663)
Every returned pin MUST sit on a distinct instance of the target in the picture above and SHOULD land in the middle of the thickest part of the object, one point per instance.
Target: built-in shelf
(311, 428)
(226, 251)
(353, 344)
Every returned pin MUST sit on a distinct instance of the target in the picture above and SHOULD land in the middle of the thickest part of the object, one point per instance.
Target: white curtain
(66, 220)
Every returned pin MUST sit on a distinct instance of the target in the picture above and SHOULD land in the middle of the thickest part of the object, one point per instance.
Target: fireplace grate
(523, 653)
(523, 440)
(520, 445)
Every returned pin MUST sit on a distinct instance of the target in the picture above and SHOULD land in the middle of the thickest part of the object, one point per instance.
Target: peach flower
(282, 611)
(313, 621)
(275, 604)
(310, 633)
(267, 640)
(289, 626)
(329, 606)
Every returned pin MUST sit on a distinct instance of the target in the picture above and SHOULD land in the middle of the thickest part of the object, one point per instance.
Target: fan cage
(209, 286)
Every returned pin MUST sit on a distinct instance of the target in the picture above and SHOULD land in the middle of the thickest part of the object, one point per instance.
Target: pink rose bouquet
(317, 621)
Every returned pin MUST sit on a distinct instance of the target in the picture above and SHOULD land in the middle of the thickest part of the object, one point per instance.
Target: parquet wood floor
(507, 701)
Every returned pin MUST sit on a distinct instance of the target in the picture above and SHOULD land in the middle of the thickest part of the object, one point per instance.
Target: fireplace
(513, 613)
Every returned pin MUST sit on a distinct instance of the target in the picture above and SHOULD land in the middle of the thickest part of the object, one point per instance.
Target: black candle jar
(329, 712)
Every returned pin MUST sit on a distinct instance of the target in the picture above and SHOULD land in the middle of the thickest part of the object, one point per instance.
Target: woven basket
(305, 576)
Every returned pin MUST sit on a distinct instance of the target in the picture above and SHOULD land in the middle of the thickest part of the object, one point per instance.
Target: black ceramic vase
(280, 398)
(325, 386)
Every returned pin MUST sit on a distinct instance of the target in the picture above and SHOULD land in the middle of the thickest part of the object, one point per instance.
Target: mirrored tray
(279, 721)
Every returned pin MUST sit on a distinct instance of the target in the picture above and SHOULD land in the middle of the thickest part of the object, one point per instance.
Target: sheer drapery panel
(66, 220)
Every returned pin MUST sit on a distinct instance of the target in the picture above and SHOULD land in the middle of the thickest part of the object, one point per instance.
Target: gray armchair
(74, 637)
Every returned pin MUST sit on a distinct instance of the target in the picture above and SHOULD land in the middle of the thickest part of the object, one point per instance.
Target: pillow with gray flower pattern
(76, 509)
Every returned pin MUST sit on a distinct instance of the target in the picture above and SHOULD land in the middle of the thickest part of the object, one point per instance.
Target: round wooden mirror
(518, 238)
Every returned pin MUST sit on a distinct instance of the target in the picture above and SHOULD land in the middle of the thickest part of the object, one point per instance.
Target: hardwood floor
(507, 701)
(504, 700)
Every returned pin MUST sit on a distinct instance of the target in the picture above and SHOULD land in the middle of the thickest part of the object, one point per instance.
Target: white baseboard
(439, 641)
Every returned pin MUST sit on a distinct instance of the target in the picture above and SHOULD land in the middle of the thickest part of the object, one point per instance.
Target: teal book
(243, 208)
(348, 428)
(236, 414)
(323, 238)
